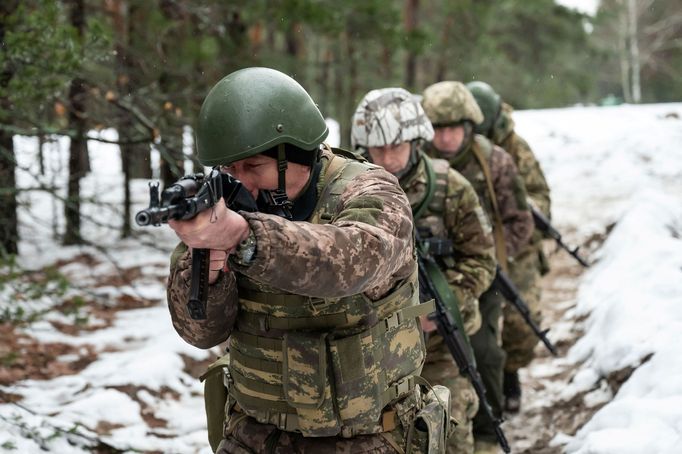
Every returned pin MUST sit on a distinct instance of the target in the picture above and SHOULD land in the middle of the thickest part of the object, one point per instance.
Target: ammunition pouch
(426, 421)
(215, 399)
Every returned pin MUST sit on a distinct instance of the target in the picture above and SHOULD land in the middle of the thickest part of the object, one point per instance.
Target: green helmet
(489, 102)
(252, 110)
(447, 103)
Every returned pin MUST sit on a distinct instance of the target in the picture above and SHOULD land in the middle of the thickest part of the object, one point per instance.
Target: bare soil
(544, 413)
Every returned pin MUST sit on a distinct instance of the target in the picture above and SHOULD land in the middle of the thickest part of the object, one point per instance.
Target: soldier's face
(449, 139)
(393, 158)
(260, 173)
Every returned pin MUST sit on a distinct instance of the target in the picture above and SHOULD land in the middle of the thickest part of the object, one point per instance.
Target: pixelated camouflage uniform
(454, 213)
(518, 340)
(518, 227)
(290, 392)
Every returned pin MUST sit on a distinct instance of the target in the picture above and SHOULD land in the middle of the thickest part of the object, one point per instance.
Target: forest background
(142, 67)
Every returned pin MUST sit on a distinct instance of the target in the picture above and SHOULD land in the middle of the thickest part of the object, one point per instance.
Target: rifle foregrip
(198, 290)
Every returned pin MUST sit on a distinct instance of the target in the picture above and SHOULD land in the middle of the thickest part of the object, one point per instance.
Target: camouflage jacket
(528, 166)
(367, 249)
(326, 333)
(510, 193)
(455, 213)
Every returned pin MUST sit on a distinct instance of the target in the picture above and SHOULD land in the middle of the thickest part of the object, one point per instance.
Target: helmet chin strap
(411, 162)
(282, 165)
(276, 202)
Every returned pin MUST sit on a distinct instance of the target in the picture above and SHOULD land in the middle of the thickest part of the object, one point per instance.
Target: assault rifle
(185, 199)
(453, 336)
(506, 287)
(545, 226)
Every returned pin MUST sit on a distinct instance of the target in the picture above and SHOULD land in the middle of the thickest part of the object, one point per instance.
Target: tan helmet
(389, 116)
(447, 103)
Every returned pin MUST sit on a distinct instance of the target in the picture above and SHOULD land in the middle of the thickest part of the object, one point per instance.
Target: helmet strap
(282, 165)
(277, 202)
(411, 162)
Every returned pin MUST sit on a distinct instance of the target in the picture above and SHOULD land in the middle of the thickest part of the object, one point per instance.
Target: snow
(588, 7)
(621, 165)
(139, 351)
(334, 137)
(605, 165)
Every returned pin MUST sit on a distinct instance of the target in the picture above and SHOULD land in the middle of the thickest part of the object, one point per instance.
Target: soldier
(491, 171)
(390, 127)
(530, 263)
(319, 305)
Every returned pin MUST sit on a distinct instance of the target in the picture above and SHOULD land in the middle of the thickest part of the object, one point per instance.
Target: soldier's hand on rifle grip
(428, 325)
(218, 263)
(218, 228)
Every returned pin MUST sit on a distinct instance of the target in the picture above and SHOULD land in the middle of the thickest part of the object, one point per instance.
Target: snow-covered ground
(139, 392)
(622, 165)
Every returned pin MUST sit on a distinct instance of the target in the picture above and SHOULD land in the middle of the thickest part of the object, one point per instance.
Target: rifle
(506, 287)
(184, 199)
(453, 335)
(545, 226)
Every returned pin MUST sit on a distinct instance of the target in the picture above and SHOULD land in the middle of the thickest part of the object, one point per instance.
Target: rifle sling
(498, 228)
(446, 295)
(430, 190)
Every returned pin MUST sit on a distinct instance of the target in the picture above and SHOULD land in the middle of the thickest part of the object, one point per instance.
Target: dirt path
(544, 413)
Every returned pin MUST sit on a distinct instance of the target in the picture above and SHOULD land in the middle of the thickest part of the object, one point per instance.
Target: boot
(512, 392)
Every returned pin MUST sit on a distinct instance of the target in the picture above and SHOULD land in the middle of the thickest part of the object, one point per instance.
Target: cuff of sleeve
(245, 252)
(261, 260)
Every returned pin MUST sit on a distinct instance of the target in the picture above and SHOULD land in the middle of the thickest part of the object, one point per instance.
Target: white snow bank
(634, 298)
(621, 165)
(596, 158)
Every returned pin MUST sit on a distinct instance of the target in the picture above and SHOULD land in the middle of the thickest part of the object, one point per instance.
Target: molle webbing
(271, 400)
(438, 202)
(266, 384)
(498, 226)
(261, 311)
(340, 172)
(325, 367)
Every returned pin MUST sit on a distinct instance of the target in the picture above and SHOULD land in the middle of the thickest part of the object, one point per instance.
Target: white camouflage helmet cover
(389, 116)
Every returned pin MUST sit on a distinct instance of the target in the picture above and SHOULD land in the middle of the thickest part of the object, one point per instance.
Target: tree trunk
(634, 53)
(9, 231)
(387, 62)
(119, 12)
(323, 80)
(340, 91)
(139, 154)
(295, 48)
(623, 54)
(411, 8)
(443, 60)
(172, 159)
(78, 147)
(353, 89)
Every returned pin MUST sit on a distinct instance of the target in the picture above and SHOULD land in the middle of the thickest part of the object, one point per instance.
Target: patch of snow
(621, 165)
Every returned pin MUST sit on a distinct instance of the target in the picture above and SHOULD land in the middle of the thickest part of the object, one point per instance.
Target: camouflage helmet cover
(489, 102)
(389, 116)
(252, 110)
(450, 102)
